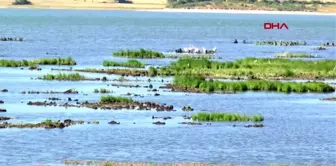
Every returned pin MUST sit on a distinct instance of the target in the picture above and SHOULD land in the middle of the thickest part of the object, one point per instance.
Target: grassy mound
(115, 99)
(41, 61)
(142, 53)
(129, 63)
(226, 117)
(63, 77)
(256, 67)
(199, 83)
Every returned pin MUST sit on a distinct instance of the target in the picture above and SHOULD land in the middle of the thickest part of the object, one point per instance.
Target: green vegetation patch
(253, 67)
(199, 83)
(63, 77)
(129, 63)
(225, 117)
(142, 53)
(115, 99)
(41, 61)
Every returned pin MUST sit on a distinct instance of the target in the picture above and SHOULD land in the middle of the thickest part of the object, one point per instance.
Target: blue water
(299, 128)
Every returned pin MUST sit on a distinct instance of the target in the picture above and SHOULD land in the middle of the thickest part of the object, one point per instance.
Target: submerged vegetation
(294, 55)
(101, 90)
(41, 61)
(280, 43)
(63, 77)
(129, 63)
(200, 84)
(142, 53)
(115, 99)
(11, 39)
(226, 117)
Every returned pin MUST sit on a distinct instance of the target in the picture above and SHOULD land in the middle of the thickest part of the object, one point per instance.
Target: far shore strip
(170, 10)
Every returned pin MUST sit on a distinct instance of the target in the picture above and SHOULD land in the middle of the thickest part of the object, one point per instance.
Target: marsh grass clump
(63, 77)
(115, 99)
(41, 61)
(226, 117)
(257, 67)
(129, 63)
(199, 83)
(55, 61)
(294, 55)
(142, 53)
(101, 90)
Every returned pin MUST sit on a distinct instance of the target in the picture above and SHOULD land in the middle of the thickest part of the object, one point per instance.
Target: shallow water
(299, 128)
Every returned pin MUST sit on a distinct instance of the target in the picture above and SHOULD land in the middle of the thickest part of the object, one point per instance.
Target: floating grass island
(129, 63)
(225, 117)
(253, 67)
(63, 77)
(142, 53)
(294, 55)
(280, 43)
(41, 61)
(200, 84)
(115, 99)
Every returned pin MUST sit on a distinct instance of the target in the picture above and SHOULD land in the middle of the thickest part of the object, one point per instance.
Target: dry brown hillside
(91, 4)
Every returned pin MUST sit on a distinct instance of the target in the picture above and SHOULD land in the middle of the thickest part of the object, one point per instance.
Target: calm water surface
(299, 128)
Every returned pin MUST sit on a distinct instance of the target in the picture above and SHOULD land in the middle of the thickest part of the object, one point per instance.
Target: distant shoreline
(170, 10)
(237, 11)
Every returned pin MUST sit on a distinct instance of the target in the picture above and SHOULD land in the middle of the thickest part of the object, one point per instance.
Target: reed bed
(129, 63)
(226, 117)
(41, 61)
(199, 83)
(63, 77)
(257, 67)
(294, 55)
(142, 53)
(115, 99)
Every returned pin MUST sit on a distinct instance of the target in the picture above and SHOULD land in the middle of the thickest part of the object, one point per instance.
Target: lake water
(299, 128)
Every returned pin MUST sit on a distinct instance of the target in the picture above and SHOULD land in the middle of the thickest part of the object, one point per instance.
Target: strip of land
(152, 6)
